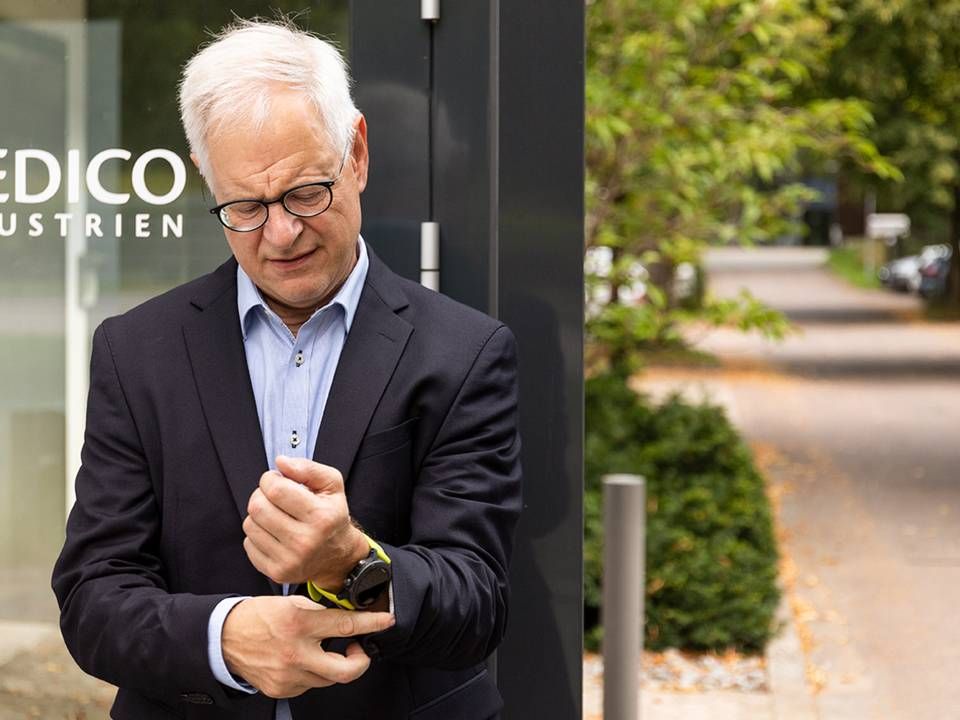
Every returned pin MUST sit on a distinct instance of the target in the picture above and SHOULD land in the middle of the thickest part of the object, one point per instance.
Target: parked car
(903, 274)
(934, 274)
(598, 265)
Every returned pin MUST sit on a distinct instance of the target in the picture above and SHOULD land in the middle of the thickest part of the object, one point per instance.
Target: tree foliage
(903, 57)
(696, 135)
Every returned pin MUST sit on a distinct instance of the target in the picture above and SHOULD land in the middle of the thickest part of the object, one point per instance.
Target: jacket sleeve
(118, 618)
(450, 581)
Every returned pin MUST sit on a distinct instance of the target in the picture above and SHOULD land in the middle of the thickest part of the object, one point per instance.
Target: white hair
(231, 81)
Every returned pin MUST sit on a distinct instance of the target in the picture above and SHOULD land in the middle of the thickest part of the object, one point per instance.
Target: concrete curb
(786, 671)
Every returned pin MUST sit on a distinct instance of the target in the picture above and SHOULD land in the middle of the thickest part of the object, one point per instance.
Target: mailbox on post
(888, 227)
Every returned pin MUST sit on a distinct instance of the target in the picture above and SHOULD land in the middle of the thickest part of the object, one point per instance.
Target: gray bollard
(624, 519)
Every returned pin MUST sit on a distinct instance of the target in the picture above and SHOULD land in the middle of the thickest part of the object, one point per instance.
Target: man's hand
(299, 528)
(274, 644)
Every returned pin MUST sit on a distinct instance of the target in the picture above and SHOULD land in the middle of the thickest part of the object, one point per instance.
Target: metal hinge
(430, 10)
(430, 255)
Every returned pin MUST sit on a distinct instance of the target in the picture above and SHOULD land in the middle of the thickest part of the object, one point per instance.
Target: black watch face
(369, 584)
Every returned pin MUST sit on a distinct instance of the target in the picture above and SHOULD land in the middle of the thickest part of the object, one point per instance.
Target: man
(300, 476)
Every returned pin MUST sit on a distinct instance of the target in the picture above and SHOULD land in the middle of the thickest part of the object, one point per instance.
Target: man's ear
(360, 155)
(196, 164)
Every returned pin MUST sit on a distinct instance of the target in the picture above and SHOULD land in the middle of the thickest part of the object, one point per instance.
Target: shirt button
(294, 439)
(299, 358)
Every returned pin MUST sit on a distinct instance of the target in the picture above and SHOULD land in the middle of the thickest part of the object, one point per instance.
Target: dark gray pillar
(476, 122)
(390, 61)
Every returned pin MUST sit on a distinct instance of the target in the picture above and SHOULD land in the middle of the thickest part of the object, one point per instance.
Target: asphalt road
(856, 421)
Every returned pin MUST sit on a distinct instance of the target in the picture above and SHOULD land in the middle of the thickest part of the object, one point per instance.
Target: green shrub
(848, 262)
(711, 565)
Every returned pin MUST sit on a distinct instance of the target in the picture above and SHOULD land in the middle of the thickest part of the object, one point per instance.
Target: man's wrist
(358, 549)
(215, 652)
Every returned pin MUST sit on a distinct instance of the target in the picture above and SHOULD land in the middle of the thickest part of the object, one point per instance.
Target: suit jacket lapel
(370, 354)
(215, 345)
(214, 341)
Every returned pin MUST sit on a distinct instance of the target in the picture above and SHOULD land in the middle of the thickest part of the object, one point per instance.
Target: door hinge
(430, 255)
(430, 10)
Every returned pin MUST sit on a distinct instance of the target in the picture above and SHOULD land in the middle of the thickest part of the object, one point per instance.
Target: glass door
(100, 209)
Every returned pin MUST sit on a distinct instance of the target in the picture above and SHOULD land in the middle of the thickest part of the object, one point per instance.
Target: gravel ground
(688, 672)
(46, 684)
(684, 686)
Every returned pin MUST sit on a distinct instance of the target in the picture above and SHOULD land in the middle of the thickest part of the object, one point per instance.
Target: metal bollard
(624, 517)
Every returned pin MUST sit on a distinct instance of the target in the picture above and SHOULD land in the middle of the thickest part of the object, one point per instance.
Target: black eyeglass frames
(308, 200)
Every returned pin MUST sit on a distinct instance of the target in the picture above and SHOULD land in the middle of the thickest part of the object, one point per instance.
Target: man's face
(298, 263)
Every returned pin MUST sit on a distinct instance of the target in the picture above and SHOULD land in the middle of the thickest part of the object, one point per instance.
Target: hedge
(711, 559)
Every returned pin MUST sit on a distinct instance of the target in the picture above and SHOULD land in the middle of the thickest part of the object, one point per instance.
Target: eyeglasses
(303, 201)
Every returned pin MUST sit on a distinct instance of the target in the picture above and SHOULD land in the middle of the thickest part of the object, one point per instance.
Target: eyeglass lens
(251, 214)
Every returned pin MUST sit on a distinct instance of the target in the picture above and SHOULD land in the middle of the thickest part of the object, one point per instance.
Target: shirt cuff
(215, 650)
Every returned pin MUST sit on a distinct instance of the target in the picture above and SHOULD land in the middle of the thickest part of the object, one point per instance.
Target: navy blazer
(422, 422)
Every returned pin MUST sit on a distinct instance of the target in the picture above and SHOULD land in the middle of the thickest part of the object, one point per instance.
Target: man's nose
(281, 229)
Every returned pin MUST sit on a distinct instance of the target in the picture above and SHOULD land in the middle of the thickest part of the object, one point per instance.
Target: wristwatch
(364, 583)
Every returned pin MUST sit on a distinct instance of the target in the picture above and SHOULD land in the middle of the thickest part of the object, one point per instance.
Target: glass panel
(89, 136)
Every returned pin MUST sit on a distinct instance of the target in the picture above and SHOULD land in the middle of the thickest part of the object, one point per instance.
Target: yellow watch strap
(317, 594)
(376, 546)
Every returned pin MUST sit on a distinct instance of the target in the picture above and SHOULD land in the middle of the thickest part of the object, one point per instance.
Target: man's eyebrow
(303, 178)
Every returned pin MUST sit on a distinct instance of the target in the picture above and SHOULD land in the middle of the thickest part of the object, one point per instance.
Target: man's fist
(273, 643)
(298, 527)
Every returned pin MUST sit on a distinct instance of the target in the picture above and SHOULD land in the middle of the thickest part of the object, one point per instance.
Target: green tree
(696, 135)
(903, 56)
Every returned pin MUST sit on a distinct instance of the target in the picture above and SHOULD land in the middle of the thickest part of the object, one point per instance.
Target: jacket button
(197, 698)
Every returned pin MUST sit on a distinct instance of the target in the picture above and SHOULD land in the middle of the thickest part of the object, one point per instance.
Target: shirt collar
(348, 297)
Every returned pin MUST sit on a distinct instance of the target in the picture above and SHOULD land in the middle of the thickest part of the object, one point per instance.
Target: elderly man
(300, 476)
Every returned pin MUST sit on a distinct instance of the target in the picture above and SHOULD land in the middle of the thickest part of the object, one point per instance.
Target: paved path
(857, 420)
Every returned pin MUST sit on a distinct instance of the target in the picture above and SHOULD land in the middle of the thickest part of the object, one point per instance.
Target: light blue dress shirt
(291, 378)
